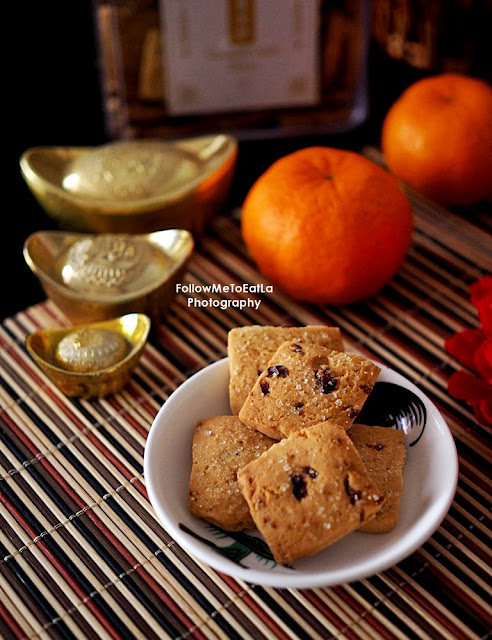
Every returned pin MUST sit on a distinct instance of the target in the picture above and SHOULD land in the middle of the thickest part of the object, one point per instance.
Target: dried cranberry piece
(265, 387)
(366, 388)
(353, 494)
(325, 380)
(277, 371)
(312, 473)
(297, 348)
(299, 487)
(299, 408)
(377, 447)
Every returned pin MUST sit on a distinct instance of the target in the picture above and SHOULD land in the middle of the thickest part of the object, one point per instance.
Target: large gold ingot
(135, 186)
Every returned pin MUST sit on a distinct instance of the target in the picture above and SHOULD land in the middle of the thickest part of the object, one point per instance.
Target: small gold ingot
(100, 276)
(133, 186)
(93, 359)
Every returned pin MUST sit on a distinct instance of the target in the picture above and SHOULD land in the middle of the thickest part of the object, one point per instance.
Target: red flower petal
(484, 310)
(482, 359)
(473, 349)
(480, 288)
(485, 408)
(465, 386)
(463, 345)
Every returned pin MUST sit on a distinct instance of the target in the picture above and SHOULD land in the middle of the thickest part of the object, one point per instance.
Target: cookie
(383, 453)
(306, 383)
(250, 349)
(308, 491)
(221, 446)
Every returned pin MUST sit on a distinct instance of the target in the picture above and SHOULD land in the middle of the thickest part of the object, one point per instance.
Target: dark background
(52, 97)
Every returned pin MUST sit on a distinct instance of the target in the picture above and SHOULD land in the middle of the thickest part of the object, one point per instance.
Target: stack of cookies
(290, 460)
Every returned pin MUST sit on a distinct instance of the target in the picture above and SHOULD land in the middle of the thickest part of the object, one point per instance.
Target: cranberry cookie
(306, 383)
(308, 491)
(250, 349)
(221, 446)
(383, 453)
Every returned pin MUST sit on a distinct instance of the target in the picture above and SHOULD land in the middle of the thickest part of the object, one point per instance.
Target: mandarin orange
(327, 225)
(437, 137)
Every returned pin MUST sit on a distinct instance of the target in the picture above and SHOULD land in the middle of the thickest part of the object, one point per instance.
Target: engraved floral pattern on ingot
(119, 172)
(130, 170)
(106, 261)
(90, 349)
(123, 175)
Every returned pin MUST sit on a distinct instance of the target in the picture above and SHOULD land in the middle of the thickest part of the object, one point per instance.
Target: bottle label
(237, 55)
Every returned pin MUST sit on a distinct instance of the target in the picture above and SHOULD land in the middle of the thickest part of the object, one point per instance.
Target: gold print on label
(188, 94)
(297, 86)
(241, 21)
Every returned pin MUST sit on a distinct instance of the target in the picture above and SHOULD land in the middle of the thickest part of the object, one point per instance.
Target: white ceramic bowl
(430, 477)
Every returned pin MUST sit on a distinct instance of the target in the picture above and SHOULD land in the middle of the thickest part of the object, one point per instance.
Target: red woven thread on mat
(473, 349)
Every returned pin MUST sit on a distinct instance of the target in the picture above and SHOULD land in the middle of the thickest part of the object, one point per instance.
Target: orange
(327, 225)
(437, 137)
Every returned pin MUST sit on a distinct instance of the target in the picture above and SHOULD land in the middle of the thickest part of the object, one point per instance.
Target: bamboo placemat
(82, 555)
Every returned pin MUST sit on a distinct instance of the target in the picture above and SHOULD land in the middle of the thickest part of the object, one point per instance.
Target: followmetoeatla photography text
(200, 291)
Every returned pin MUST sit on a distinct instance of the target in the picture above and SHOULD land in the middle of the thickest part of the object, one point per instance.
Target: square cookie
(383, 453)
(306, 383)
(221, 446)
(308, 491)
(250, 349)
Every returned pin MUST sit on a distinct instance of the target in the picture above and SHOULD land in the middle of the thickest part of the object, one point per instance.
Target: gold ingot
(91, 360)
(94, 277)
(133, 186)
